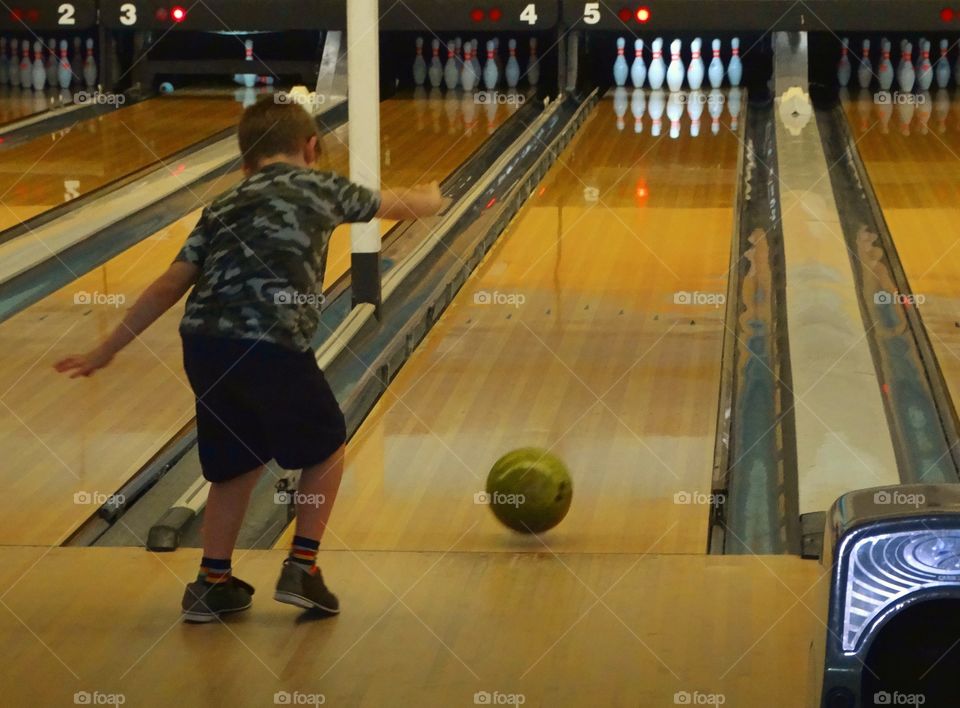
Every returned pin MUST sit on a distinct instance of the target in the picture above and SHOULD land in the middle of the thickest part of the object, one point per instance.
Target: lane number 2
(67, 14)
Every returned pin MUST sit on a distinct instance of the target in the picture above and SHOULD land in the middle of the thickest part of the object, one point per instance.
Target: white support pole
(363, 85)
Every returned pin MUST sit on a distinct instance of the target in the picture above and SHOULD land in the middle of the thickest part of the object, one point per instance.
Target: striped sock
(303, 552)
(215, 570)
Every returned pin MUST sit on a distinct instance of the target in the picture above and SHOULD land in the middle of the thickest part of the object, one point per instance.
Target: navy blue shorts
(256, 402)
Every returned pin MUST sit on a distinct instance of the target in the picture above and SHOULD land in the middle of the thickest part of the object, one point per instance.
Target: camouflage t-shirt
(262, 251)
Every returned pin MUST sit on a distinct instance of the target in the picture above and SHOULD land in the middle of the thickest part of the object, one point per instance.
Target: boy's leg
(318, 489)
(223, 516)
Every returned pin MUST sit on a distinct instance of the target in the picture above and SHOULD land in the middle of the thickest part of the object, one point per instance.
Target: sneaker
(300, 587)
(203, 602)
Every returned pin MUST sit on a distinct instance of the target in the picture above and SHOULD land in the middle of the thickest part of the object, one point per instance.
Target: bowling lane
(59, 437)
(593, 328)
(912, 157)
(58, 167)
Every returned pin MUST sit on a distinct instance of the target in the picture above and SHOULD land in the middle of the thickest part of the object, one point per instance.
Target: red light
(947, 14)
(16, 14)
(643, 14)
(161, 14)
(492, 201)
(178, 14)
(476, 15)
(625, 14)
(496, 15)
(33, 17)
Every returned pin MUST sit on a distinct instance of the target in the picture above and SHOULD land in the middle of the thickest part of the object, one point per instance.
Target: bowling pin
(496, 57)
(638, 105)
(13, 65)
(26, 66)
(620, 103)
(512, 72)
(735, 67)
(658, 69)
(716, 71)
(885, 68)
(435, 72)
(656, 106)
(468, 77)
(451, 75)
(52, 63)
(458, 53)
(620, 68)
(477, 68)
(695, 110)
(734, 104)
(490, 73)
(715, 106)
(533, 66)
(906, 74)
(638, 70)
(64, 70)
(675, 113)
(942, 69)
(695, 71)
(919, 59)
(925, 75)
(90, 66)
(76, 61)
(865, 70)
(39, 68)
(249, 80)
(4, 75)
(844, 70)
(675, 72)
(419, 65)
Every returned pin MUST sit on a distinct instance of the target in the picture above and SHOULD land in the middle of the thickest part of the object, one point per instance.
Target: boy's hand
(85, 364)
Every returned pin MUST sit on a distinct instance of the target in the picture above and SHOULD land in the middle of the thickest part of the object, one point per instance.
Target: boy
(256, 262)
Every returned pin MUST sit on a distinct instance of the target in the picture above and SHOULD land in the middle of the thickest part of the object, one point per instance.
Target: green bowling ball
(529, 490)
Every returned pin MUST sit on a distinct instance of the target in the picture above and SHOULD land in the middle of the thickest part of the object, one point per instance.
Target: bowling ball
(529, 490)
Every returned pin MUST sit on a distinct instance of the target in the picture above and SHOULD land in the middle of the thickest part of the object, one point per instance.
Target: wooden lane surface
(916, 178)
(59, 437)
(16, 104)
(585, 348)
(107, 620)
(53, 168)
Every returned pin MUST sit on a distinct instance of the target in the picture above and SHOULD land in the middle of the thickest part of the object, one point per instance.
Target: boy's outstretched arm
(414, 203)
(162, 294)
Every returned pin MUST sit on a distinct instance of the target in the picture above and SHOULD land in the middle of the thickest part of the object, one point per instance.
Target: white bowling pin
(451, 75)
(64, 70)
(620, 68)
(695, 71)
(675, 72)
(39, 68)
(885, 67)
(435, 72)
(90, 66)
(638, 70)
(490, 72)
(52, 63)
(475, 60)
(458, 53)
(658, 68)
(734, 104)
(675, 113)
(4, 65)
(656, 105)
(735, 67)
(695, 102)
(844, 70)
(865, 70)
(906, 74)
(716, 71)
(925, 75)
(533, 65)
(419, 65)
(919, 59)
(715, 106)
(638, 105)
(496, 57)
(512, 72)
(620, 103)
(13, 64)
(249, 80)
(26, 66)
(942, 69)
(468, 77)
